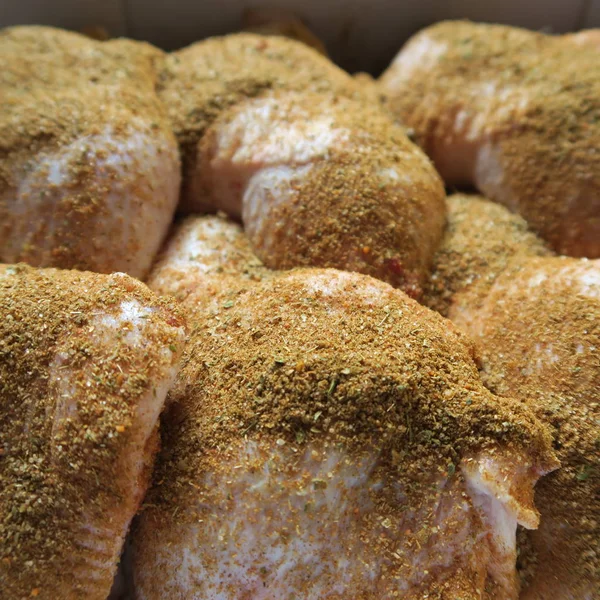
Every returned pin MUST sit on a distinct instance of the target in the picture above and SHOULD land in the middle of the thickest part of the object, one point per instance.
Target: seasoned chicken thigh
(328, 437)
(513, 112)
(89, 167)
(538, 333)
(481, 240)
(533, 318)
(322, 183)
(86, 361)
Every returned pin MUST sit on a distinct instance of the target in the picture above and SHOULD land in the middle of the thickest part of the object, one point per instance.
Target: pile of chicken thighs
(260, 337)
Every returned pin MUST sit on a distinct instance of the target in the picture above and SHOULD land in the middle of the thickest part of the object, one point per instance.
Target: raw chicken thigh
(513, 112)
(328, 437)
(86, 361)
(275, 135)
(534, 321)
(89, 168)
(538, 333)
(481, 239)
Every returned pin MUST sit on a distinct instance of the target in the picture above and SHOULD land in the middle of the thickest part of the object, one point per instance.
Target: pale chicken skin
(328, 437)
(537, 331)
(274, 135)
(86, 361)
(205, 255)
(89, 168)
(514, 113)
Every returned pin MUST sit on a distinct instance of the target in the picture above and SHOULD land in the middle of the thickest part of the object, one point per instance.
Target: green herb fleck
(332, 386)
(584, 473)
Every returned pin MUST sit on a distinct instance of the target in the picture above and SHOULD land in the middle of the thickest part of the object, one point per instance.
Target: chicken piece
(86, 361)
(482, 238)
(205, 256)
(328, 437)
(538, 333)
(513, 112)
(89, 167)
(323, 183)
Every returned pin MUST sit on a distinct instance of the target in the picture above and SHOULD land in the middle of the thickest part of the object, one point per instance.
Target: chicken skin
(205, 255)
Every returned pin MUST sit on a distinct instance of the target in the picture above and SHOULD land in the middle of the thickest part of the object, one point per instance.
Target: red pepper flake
(395, 266)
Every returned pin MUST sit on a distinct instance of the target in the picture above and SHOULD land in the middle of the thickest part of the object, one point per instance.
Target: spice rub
(89, 166)
(86, 361)
(515, 113)
(329, 437)
(481, 240)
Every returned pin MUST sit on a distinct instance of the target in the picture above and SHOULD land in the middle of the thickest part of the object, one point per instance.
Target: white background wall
(360, 34)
